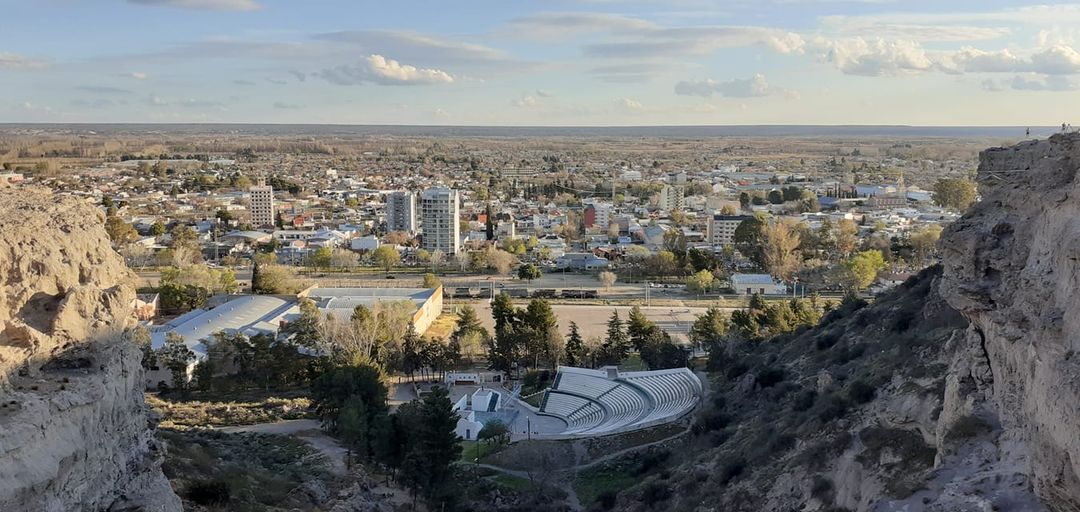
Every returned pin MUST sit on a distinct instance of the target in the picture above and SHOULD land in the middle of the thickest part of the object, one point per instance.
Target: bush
(822, 489)
(832, 407)
(607, 500)
(208, 492)
(654, 493)
(826, 340)
(860, 392)
(804, 400)
(770, 377)
(736, 370)
(715, 420)
(731, 470)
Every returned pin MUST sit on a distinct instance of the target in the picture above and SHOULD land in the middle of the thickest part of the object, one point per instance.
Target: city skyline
(556, 63)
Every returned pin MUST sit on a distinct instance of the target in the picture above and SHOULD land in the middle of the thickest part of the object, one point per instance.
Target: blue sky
(557, 62)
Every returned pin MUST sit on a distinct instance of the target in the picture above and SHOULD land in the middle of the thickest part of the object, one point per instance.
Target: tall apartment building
(721, 230)
(671, 198)
(262, 205)
(439, 214)
(401, 212)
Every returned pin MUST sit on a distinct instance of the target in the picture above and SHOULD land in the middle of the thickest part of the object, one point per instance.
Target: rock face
(1012, 267)
(74, 431)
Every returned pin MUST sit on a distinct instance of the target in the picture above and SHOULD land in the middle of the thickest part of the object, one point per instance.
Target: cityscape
(586, 256)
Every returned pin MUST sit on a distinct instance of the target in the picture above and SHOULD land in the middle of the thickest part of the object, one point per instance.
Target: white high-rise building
(401, 212)
(671, 198)
(439, 214)
(262, 205)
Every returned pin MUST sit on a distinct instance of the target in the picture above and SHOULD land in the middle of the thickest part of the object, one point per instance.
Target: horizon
(584, 63)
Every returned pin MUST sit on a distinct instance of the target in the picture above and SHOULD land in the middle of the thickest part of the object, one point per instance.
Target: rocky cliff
(75, 434)
(958, 391)
(1012, 267)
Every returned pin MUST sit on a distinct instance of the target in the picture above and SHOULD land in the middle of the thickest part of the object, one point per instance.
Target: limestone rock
(1012, 267)
(74, 431)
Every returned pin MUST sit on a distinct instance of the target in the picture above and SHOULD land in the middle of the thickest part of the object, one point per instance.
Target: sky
(542, 63)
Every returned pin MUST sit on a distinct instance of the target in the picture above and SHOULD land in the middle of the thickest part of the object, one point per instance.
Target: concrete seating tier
(598, 402)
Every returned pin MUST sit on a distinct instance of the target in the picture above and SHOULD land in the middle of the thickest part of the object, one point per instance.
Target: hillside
(74, 429)
(957, 391)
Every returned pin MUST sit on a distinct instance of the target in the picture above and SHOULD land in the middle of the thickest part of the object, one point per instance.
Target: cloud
(878, 57)
(552, 25)
(246, 83)
(525, 101)
(286, 106)
(753, 87)
(422, 49)
(628, 37)
(18, 62)
(670, 42)
(1047, 83)
(277, 81)
(991, 85)
(158, 101)
(210, 5)
(300, 76)
(137, 75)
(544, 93)
(1055, 60)
(104, 90)
(887, 28)
(99, 103)
(629, 73)
(381, 70)
(630, 104)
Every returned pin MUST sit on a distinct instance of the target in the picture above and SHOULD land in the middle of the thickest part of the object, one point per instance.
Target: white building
(671, 198)
(749, 284)
(721, 230)
(440, 214)
(262, 205)
(401, 212)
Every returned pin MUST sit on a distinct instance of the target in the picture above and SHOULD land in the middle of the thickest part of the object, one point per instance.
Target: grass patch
(633, 363)
(592, 483)
(469, 450)
(512, 482)
(196, 413)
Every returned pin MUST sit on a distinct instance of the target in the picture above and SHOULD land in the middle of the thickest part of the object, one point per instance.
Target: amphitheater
(606, 401)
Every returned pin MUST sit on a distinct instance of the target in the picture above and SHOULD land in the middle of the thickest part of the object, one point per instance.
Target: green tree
(320, 258)
(434, 450)
(120, 232)
(431, 281)
(387, 257)
(542, 330)
(575, 352)
(709, 330)
(638, 328)
(700, 282)
(617, 344)
(864, 268)
(352, 426)
(177, 357)
(528, 272)
(158, 228)
(954, 193)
